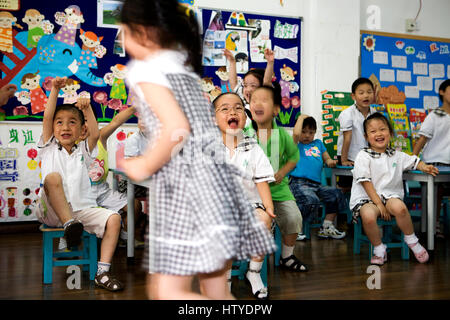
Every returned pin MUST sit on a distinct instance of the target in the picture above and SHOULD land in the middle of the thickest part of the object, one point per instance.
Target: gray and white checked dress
(199, 214)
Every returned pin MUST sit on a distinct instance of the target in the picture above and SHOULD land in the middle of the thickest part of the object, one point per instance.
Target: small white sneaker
(331, 232)
(301, 237)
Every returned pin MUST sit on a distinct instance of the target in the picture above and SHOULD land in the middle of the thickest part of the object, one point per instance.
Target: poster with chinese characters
(19, 171)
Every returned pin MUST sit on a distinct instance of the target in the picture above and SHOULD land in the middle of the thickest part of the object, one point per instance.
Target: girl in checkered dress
(200, 218)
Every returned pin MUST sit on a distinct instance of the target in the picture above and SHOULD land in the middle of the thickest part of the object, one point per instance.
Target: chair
(86, 257)
(387, 237)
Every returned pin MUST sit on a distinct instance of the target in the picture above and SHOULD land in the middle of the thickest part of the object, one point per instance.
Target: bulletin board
(76, 39)
(20, 173)
(407, 69)
(246, 35)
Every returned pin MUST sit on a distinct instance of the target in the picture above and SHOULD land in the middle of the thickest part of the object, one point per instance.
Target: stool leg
(47, 258)
(92, 257)
(243, 267)
(405, 248)
(264, 271)
(357, 238)
(278, 243)
(85, 251)
(307, 229)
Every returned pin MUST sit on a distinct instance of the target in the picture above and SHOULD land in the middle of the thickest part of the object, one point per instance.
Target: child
(435, 140)
(305, 181)
(351, 133)
(246, 154)
(377, 189)
(283, 155)
(67, 198)
(200, 219)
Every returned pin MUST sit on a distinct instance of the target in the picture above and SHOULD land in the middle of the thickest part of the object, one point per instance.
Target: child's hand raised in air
(59, 83)
(227, 53)
(83, 103)
(269, 55)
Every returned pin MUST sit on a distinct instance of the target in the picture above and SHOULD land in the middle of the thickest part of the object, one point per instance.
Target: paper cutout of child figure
(287, 75)
(33, 18)
(7, 21)
(70, 91)
(31, 81)
(223, 75)
(70, 22)
(91, 49)
(116, 80)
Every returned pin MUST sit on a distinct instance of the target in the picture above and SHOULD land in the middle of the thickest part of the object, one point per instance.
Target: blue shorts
(309, 195)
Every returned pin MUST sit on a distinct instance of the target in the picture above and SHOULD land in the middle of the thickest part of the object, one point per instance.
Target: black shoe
(72, 233)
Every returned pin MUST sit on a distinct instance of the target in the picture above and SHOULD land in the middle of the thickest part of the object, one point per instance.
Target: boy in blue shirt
(305, 181)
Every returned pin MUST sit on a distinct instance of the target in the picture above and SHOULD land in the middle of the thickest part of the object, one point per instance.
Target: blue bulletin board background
(56, 58)
(414, 65)
(291, 108)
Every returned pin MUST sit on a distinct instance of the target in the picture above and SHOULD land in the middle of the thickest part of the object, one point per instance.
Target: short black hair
(70, 107)
(275, 89)
(359, 82)
(442, 87)
(225, 93)
(258, 73)
(377, 116)
(310, 123)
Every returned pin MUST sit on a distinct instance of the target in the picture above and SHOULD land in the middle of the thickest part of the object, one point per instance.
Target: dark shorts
(344, 181)
(310, 195)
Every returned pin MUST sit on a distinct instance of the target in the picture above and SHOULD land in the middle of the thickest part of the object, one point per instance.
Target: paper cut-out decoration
(293, 87)
(91, 49)
(286, 53)
(399, 44)
(101, 97)
(84, 95)
(20, 110)
(115, 80)
(23, 97)
(207, 86)
(70, 21)
(410, 50)
(223, 75)
(285, 31)
(31, 81)
(237, 21)
(216, 23)
(70, 91)
(7, 21)
(287, 75)
(231, 39)
(119, 44)
(369, 43)
(421, 55)
(391, 95)
(434, 47)
(241, 62)
(443, 49)
(34, 19)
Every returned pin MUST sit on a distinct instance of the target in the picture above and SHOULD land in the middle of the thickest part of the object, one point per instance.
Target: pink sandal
(378, 260)
(422, 256)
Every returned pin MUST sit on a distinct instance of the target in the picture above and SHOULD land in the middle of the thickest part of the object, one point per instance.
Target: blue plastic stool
(277, 238)
(388, 238)
(87, 256)
(240, 268)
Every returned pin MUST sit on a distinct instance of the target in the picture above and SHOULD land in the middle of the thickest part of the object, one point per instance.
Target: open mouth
(259, 112)
(233, 123)
(65, 136)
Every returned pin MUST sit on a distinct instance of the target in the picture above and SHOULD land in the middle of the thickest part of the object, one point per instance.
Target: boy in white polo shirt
(244, 152)
(67, 199)
(351, 133)
(435, 140)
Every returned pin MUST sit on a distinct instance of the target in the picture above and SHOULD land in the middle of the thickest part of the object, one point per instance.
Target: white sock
(62, 244)
(412, 241)
(123, 235)
(103, 267)
(379, 250)
(327, 223)
(255, 277)
(67, 222)
(286, 251)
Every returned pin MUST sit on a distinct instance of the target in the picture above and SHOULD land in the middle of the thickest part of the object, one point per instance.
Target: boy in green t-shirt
(283, 154)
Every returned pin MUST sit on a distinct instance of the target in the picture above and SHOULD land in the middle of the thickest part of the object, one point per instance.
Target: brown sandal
(106, 281)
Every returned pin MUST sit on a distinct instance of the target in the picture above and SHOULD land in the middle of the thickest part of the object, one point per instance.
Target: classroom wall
(433, 18)
(330, 42)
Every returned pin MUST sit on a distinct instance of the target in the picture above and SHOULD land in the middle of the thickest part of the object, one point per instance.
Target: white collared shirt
(383, 170)
(135, 145)
(351, 119)
(255, 165)
(436, 128)
(73, 171)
